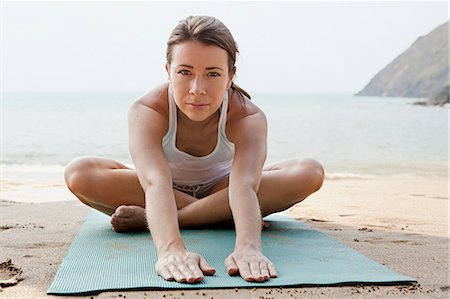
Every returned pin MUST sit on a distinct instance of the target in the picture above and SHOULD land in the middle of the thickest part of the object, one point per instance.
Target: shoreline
(401, 223)
(15, 187)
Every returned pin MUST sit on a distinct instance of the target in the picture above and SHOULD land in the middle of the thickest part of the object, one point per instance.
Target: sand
(400, 222)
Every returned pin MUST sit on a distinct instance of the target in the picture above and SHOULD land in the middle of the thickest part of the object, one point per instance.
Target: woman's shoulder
(240, 107)
(243, 115)
(155, 99)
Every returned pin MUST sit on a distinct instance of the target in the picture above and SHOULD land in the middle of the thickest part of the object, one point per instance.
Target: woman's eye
(214, 74)
(184, 72)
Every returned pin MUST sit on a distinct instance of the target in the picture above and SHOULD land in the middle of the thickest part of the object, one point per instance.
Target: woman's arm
(250, 153)
(250, 139)
(145, 131)
(147, 127)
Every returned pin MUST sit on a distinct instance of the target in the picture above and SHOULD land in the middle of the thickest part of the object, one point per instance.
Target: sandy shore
(400, 222)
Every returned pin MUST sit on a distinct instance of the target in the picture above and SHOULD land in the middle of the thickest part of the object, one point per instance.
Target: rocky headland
(422, 71)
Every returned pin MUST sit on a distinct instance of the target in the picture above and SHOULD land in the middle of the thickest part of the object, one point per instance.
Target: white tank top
(187, 169)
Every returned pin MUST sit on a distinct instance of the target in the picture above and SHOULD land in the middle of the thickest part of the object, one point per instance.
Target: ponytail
(242, 93)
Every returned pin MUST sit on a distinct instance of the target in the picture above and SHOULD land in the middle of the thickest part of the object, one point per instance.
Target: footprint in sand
(45, 245)
(9, 274)
(5, 227)
(38, 245)
(365, 229)
(381, 240)
(439, 197)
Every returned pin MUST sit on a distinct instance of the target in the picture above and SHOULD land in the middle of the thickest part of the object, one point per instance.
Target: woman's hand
(183, 266)
(251, 264)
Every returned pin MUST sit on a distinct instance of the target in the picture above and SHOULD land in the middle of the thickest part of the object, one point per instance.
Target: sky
(285, 47)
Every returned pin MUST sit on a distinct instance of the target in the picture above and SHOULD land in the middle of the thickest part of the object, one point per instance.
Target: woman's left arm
(250, 140)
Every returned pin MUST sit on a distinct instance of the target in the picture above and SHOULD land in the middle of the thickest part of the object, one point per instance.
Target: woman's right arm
(145, 131)
(146, 128)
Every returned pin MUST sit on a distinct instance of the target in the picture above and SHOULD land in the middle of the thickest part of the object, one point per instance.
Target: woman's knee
(310, 173)
(78, 174)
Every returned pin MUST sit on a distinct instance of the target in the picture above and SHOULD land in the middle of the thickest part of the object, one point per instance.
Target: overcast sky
(285, 47)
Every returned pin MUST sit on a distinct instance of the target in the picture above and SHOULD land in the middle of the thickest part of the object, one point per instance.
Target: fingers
(244, 270)
(248, 271)
(230, 265)
(186, 274)
(165, 273)
(251, 268)
(205, 267)
(272, 271)
(183, 267)
(264, 270)
(181, 273)
(198, 274)
(176, 273)
(191, 267)
(258, 271)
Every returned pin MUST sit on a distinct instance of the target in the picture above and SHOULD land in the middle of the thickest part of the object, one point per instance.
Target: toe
(123, 211)
(128, 218)
(265, 225)
(115, 218)
(119, 227)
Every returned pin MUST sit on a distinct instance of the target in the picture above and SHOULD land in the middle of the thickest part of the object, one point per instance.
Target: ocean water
(353, 137)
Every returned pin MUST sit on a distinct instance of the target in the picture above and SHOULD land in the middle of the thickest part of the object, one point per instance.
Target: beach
(337, 82)
(400, 222)
(385, 195)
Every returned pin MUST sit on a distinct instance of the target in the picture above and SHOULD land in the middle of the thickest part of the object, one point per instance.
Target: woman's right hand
(183, 266)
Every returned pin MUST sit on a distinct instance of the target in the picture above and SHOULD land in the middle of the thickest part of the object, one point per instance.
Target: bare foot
(265, 225)
(129, 219)
(132, 218)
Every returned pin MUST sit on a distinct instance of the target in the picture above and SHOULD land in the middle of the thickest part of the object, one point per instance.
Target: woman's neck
(189, 124)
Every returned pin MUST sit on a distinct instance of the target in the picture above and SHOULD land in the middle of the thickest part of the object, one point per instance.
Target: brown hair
(210, 31)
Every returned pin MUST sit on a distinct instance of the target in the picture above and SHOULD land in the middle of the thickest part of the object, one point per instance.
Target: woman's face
(199, 75)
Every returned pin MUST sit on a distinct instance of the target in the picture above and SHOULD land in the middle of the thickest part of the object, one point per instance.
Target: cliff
(421, 71)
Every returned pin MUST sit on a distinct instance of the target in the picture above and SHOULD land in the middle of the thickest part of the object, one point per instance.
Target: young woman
(199, 145)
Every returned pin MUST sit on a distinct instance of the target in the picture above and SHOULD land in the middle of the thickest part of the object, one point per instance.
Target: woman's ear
(230, 80)
(168, 71)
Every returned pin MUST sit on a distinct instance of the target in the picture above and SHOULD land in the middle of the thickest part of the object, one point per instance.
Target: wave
(347, 176)
(39, 168)
(18, 170)
(32, 168)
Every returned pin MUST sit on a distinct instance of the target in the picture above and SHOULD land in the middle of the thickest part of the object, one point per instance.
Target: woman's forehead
(197, 54)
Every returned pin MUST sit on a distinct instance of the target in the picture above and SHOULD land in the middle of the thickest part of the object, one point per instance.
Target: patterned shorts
(197, 191)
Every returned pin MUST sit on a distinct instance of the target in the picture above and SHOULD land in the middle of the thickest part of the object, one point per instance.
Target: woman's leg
(114, 189)
(283, 184)
(289, 182)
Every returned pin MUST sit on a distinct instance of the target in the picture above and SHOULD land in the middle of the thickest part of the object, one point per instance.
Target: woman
(199, 145)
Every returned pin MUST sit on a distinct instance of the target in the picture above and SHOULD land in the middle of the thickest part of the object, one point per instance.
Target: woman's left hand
(251, 264)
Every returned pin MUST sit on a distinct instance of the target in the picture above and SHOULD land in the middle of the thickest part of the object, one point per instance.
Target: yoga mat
(100, 259)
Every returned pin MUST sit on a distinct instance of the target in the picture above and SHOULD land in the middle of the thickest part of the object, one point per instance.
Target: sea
(353, 137)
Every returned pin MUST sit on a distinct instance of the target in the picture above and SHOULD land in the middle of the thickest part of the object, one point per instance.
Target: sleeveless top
(190, 170)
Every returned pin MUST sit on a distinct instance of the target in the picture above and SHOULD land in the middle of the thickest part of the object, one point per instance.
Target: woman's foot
(265, 225)
(129, 219)
(132, 218)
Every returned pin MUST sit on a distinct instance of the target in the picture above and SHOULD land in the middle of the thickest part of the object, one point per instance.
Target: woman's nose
(198, 87)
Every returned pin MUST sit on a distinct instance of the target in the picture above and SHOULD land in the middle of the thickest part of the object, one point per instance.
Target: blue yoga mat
(101, 260)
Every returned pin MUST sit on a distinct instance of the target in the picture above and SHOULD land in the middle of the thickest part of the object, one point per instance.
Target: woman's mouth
(197, 106)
